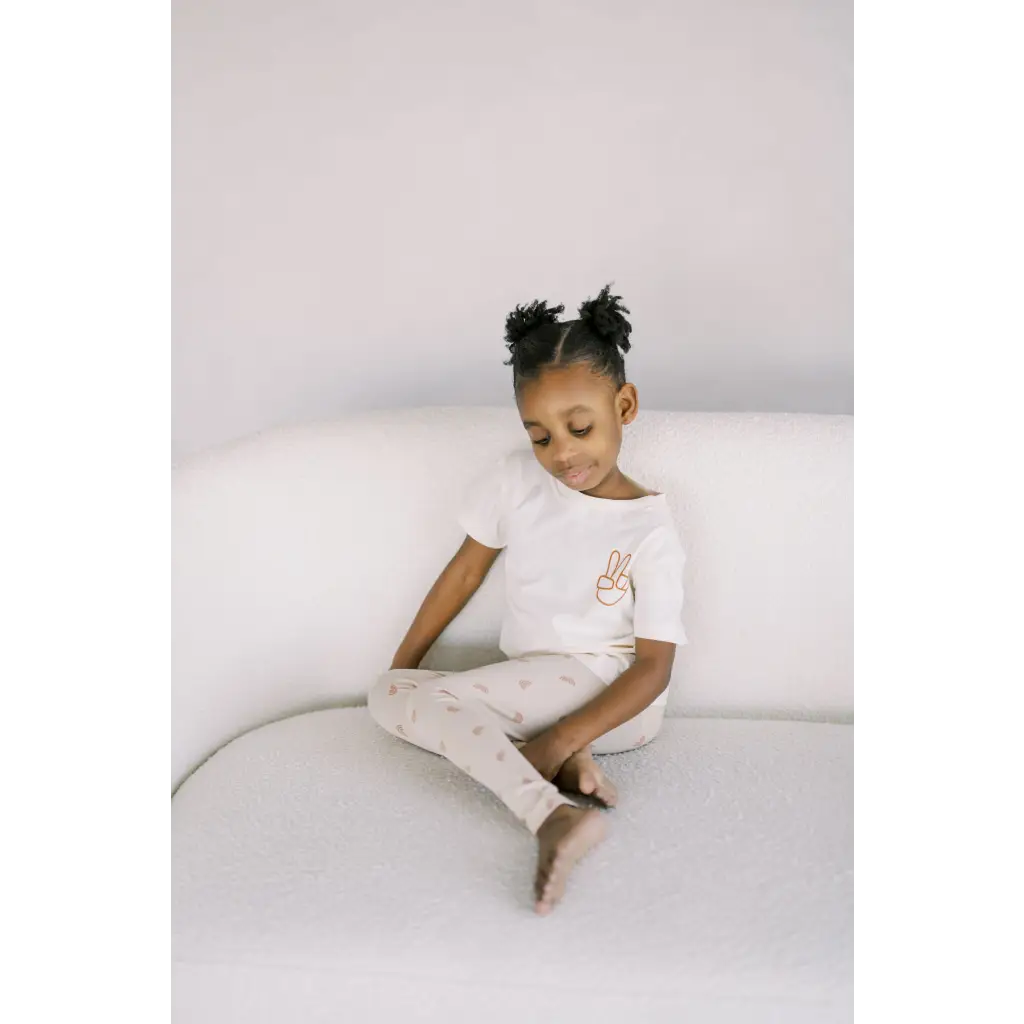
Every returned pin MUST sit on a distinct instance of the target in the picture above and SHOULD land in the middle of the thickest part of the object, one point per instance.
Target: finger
(625, 565)
(613, 561)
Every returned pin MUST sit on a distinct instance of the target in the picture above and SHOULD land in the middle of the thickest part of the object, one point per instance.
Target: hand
(547, 752)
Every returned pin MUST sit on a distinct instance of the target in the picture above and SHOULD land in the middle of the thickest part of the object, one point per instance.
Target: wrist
(406, 659)
(565, 737)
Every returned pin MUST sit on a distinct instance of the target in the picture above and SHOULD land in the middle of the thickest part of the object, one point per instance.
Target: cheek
(542, 454)
(600, 442)
(606, 449)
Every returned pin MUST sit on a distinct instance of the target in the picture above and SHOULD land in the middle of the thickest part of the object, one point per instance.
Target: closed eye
(545, 441)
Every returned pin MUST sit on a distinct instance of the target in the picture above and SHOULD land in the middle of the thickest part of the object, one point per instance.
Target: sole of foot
(565, 838)
(582, 774)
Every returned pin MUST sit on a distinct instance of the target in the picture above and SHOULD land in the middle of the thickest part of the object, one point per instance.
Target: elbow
(657, 677)
(657, 670)
(468, 580)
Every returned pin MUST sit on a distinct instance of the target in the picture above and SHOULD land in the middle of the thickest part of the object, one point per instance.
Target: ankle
(561, 814)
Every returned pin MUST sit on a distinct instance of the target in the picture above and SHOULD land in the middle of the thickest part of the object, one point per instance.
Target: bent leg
(388, 700)
(473, 717)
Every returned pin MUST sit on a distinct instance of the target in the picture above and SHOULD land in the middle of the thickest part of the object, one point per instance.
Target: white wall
(362, 191)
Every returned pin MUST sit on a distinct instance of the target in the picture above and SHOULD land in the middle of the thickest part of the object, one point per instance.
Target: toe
(555, 885)
(542, 880)
(543, 901)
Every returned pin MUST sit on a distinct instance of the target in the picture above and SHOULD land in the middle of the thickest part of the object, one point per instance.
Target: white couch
(324, 871)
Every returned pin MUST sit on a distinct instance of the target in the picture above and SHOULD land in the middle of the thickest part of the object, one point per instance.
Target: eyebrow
(568, 412)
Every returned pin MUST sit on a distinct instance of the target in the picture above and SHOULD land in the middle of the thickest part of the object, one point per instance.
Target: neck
(615, 485)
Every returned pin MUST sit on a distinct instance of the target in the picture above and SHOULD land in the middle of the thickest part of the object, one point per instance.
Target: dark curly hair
(536, 339)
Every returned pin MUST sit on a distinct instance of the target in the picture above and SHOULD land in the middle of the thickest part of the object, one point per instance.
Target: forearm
(622, 700)
(447, 597)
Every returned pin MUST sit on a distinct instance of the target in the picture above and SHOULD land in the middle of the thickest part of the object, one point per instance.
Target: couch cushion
(300, 557)
(322, 867)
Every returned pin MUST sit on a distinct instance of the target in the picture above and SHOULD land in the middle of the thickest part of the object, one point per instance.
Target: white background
(84, 431)
(363, 190)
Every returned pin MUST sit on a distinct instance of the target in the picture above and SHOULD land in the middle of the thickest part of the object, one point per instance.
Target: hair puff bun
(524, 320)
(604, 317)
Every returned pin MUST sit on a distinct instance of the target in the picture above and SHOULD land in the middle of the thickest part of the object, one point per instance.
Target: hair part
(536, 339)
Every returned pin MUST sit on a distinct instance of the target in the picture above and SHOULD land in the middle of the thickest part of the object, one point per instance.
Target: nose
(563, 454)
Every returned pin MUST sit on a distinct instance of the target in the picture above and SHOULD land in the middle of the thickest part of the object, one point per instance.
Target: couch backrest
(301, 555)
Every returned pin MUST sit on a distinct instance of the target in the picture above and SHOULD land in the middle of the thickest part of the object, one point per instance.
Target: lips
(576, 477)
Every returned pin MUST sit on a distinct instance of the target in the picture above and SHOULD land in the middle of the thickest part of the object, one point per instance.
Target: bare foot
(566, 836)
(581, 774)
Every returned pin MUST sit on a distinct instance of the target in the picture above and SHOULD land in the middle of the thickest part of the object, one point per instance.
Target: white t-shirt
(583, 576)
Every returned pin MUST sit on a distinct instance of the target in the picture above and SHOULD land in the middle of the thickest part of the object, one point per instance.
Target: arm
(622, 700)
(458, 582)
(657, 578)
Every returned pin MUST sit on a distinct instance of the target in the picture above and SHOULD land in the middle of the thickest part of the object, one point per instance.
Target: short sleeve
(483, 513)
(657, 576)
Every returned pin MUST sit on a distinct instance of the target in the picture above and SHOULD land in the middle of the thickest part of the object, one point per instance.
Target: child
(593, 591)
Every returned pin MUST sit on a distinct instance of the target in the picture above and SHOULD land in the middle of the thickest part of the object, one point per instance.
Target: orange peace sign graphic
(612, 585)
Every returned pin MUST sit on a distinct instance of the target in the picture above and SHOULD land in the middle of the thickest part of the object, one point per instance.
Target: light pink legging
(475, 719)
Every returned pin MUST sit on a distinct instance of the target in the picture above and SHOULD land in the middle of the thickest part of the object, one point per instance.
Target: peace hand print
(612, 586)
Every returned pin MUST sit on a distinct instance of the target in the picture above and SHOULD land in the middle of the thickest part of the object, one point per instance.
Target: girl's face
(575, 418)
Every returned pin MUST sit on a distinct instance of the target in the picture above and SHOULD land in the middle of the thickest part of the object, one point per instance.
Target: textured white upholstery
(324, 871)
(300, 557)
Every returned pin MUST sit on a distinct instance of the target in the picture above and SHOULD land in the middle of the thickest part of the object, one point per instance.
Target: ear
(627, 403)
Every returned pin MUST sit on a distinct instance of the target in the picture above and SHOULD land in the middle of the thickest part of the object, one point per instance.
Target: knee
(428, 693)
(409, 688)
(383, 690)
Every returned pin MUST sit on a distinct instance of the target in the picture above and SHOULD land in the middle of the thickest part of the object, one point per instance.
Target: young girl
(593, 590)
